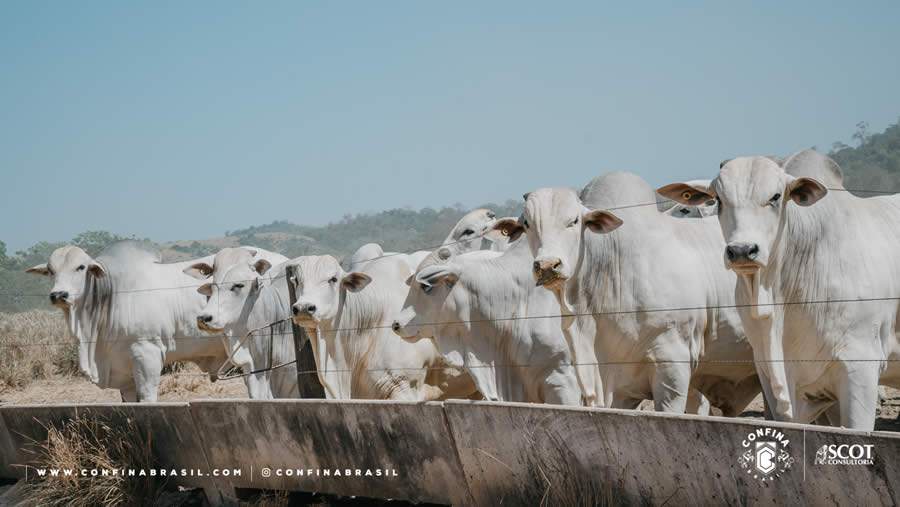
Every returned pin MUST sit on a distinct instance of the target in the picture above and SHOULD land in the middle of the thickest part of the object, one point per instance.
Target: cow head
(555, 222)
(69, 267)
(752, 194)
(470, 229)
(429, 305)
(320, 284)
(234, 286)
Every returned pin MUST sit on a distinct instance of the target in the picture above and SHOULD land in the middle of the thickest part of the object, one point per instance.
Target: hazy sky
(176, 120)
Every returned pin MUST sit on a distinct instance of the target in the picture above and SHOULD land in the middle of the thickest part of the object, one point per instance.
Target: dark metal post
(308, 383)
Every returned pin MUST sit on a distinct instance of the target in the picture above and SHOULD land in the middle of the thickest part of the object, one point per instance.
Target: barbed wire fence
(313, 371)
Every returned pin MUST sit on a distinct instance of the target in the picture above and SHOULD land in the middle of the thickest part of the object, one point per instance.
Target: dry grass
(34, 345)
(93, 444)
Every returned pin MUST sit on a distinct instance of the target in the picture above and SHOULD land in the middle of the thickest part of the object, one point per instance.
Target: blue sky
(178, 120)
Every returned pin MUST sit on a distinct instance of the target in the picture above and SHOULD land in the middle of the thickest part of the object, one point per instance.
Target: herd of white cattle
(771, 278)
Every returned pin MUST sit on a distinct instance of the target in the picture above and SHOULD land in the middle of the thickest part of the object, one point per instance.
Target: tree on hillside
(875, 163)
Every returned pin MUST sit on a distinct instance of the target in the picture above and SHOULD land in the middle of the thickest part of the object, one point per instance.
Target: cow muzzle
(401, 325)
(304, 314)
(744, 258)
(548, 272)
(205, 323)
(60, 298)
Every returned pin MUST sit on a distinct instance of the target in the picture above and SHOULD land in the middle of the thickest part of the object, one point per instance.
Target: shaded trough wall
(479, 453)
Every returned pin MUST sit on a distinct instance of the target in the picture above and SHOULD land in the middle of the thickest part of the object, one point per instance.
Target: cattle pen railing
(477, 453)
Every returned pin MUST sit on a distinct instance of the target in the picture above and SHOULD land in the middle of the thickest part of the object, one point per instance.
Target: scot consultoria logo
(766, 454)
(845, 454)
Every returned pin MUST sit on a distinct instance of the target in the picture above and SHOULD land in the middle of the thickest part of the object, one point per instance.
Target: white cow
(791, 241)
(465, 236)
(475, 306)
(246, 294)
(650, 285)
(131, 315)
(348, 318)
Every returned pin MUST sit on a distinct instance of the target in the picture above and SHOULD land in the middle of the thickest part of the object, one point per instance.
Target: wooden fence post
(308, 383)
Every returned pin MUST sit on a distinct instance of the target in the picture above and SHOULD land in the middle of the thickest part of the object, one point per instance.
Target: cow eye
(525, 223)
(573, 222)
(333, 279)
(684, 211)
(468, 232)
(236, 287)
(774, 198)
(426, 288)
(80, 268)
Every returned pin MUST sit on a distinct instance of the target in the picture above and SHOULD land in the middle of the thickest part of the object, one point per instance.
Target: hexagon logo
(766, 457)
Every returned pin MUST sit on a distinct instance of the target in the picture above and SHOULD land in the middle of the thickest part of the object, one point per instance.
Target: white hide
(357, 354)
(473, 305)
(247, 294)
(818, 245)
(131, 315)
(645, 285)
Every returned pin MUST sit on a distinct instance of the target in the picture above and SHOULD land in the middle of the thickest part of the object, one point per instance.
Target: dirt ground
(186, 384)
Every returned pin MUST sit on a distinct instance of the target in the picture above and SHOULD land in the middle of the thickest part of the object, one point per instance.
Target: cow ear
(437, 273)
(601, 221)
(261, 266)
(355, 281)
(200, 270)
(806, 191)
(96, 270)
(505, 229)
(40, 269)
(205, 289)
(691, 195)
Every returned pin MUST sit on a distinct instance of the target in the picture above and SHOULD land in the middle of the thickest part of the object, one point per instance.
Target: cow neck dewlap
(89, 322)
(807, 250)
(602, 273)
(344, 342)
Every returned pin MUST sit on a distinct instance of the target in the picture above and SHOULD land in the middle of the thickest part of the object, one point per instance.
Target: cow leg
(697, 403)
(671, 383)
(768, 397)
(857, 394)
(258, 386)
(147, 361)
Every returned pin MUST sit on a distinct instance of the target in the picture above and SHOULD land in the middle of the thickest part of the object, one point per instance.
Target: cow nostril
(729, 252)
(536, 266)
(311, 309)
(295, 310)
(753, 252)
(205, 318)
(395, 326)
(557, 264)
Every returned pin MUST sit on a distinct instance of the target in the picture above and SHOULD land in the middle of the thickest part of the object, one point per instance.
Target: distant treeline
(874, 163)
